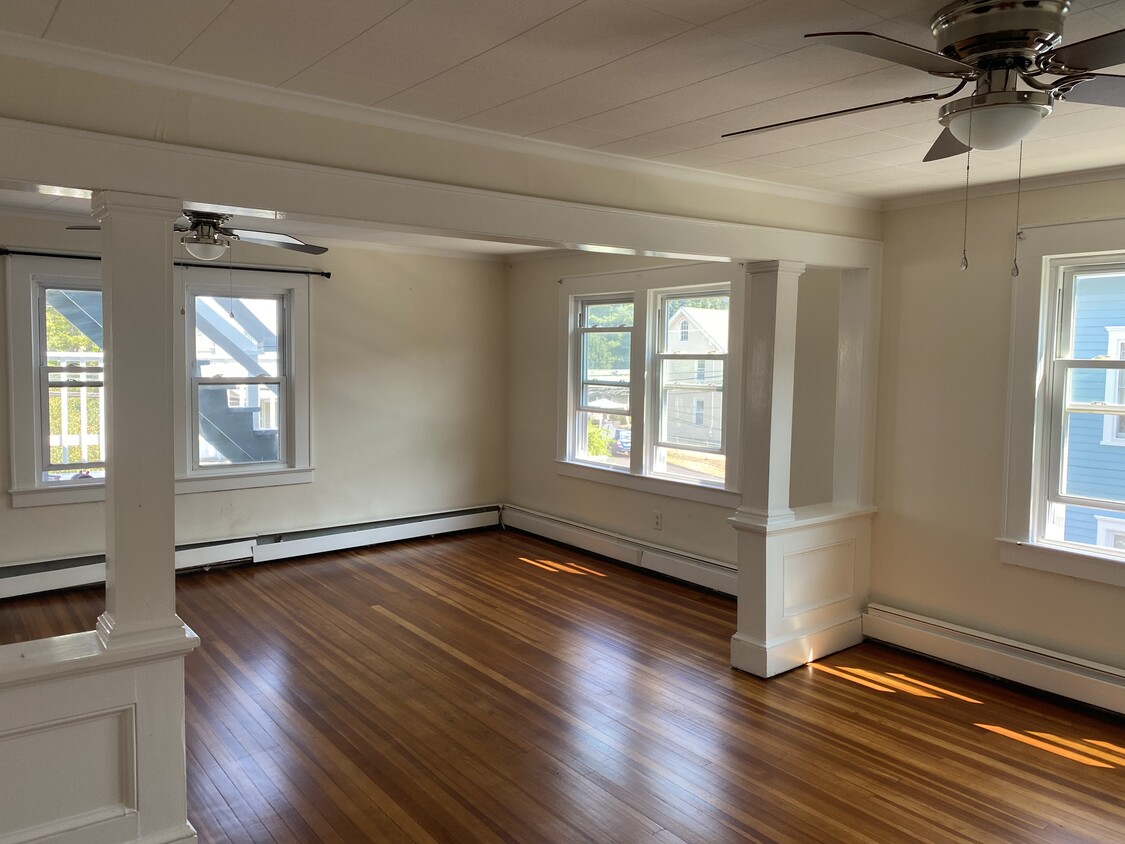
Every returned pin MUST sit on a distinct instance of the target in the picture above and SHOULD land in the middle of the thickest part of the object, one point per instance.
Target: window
(1085, 472)
(1065, 470)
(649, 369)
(241, 372)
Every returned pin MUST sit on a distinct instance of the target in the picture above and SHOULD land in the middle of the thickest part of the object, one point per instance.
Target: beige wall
(942, 429)
(408, 402)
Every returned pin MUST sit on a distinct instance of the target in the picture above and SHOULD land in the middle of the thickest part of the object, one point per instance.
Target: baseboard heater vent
(711, 574)
(29, 578)
(1062, 674)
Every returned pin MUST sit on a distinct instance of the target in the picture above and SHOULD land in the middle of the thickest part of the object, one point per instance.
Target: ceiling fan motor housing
(999, 33)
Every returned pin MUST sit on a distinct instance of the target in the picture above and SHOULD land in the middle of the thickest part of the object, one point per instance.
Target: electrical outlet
(657, 520)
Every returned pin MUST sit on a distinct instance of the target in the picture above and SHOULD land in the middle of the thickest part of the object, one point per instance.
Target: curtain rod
(176, 263)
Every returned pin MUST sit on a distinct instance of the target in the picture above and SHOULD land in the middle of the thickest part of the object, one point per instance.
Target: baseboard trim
(700, 571)
(768, 659)
(1089, 682)
(30, 578)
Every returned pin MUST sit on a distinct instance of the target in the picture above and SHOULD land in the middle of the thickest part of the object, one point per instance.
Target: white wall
(941, 429)
(408, 401)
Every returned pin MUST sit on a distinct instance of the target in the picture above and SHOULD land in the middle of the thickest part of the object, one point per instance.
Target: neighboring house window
(1111, 532)
(1113, 428)
(242, 411)
(647, 397)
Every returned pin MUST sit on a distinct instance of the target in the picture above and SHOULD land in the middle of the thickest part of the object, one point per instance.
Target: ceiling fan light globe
(995, 127)
(205, 249)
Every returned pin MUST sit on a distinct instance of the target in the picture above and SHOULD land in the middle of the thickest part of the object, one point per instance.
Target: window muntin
(1084, 480)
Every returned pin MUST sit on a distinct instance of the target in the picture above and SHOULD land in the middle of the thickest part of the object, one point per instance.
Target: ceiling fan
(1009, 51)
(207, 237)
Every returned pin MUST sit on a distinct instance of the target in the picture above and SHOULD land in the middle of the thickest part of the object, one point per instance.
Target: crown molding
(151, 73)
(1008, 186)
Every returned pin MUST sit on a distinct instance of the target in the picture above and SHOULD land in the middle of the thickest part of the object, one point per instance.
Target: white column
(770, 344)
(802, 576)
(140, 484)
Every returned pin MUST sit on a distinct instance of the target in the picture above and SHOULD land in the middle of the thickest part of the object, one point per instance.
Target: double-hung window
(1084, 478)
(241, 376)
(648, 365)
(1065, 492)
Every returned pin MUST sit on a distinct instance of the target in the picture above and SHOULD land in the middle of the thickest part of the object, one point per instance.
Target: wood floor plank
(448, 690)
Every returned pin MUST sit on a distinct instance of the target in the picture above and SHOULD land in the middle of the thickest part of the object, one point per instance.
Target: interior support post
(802, 574)
(140, 482)
(771, 343)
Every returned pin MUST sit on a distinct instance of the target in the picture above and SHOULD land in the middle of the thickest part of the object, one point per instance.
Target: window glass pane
(1091, 467)
(1099, 529)
(1099, 303)
(696, 325)
(691, 403)
(604, 438)
(607, 315)
(605, 356)
(610, 399)
(75, 425)
(73, 327)
(238, 433)
(236, 337)
(691, 465)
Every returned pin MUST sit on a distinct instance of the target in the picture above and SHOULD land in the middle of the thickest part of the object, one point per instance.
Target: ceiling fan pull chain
(968, 161)
(1018, 233)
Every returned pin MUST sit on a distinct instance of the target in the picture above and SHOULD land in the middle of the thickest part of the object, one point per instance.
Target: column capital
(106, 202)
(769, 267)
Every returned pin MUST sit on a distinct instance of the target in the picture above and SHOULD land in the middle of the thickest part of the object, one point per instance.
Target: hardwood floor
(494, 687)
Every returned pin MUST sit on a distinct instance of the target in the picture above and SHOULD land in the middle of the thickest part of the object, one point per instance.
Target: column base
(770, 659)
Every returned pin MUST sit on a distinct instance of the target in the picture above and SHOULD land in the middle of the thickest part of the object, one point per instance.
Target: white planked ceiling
(652, 79)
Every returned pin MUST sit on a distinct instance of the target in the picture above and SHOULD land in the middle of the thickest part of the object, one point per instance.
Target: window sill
(646, 483)
(245, 479)
(1059, 559)
(93, 492)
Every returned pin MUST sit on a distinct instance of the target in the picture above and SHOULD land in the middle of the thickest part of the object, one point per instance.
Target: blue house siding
(1093, 469)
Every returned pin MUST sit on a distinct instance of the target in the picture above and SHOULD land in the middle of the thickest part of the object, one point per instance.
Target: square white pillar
(140, 479)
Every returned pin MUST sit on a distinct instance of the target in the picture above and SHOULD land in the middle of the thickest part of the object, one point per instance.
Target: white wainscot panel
(818, 577)
(74, 774)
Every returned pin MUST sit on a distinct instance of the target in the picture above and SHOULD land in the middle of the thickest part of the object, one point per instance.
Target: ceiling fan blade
(946, 146)
(1103, 89)
(920, 98)
(83, 228)
(1091, 54)
(899, 52)
(283, 241)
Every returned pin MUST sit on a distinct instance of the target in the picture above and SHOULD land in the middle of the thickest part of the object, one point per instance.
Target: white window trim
(1044, 251)
(24, 274)
(207, 281)
(642, 285)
